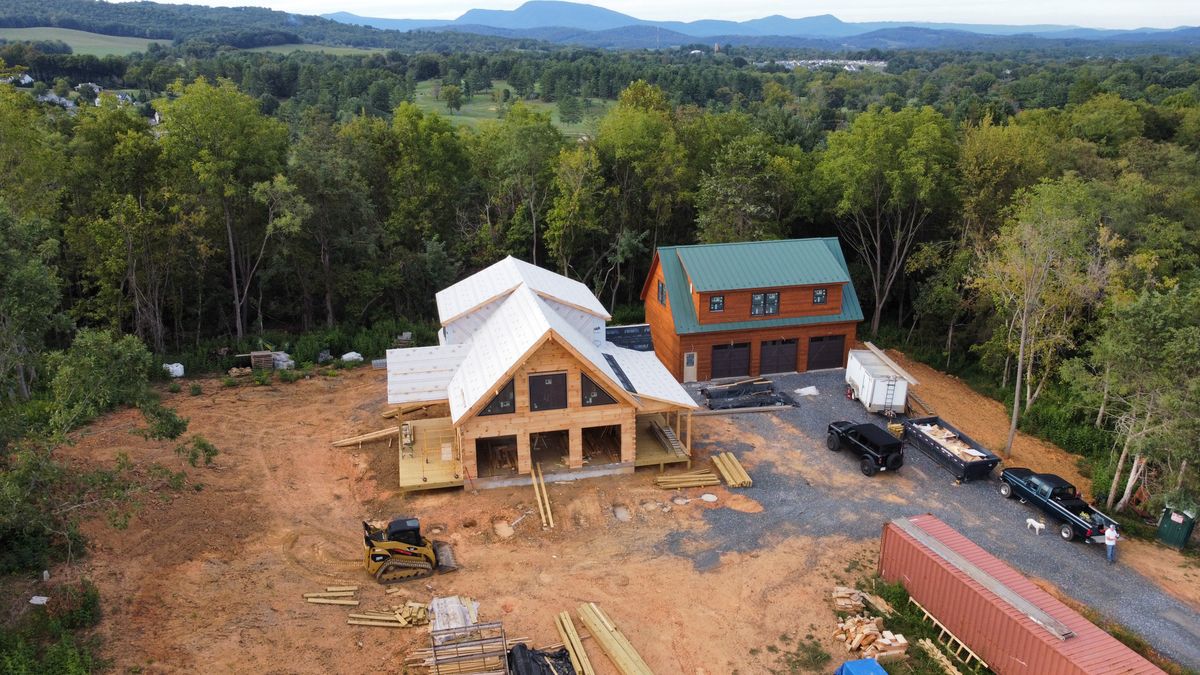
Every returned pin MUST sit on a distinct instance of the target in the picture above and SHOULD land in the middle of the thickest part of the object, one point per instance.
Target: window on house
(662, 294)
(772, 303)
(820, 295)
(548, 392)
(503, 403)
(716, 303)
(593, 394)
(764, 303)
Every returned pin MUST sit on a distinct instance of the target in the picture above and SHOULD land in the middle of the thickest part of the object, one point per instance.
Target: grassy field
(82, 42)
(327, 49)
(484, 108)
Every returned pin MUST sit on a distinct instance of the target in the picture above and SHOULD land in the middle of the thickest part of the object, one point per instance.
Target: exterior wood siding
(702, 344)
(662, 325)
(794, 302)
(550, 358)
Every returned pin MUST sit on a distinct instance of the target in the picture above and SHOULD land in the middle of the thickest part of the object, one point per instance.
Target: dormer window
(716, 303)
(820, 296)
(764, 304)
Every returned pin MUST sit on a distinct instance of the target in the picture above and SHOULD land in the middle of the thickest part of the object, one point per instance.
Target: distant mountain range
(589, 25)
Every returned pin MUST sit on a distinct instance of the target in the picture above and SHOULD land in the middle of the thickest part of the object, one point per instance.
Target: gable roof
(421, 374)
(683, 312)
(500, 279)
(761, 264)
(521, 324)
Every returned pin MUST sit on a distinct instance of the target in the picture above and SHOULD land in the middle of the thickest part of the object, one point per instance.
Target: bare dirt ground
(987, 421)
(212, 579)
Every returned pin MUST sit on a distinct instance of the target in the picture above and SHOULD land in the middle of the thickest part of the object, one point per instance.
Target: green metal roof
(761, 264)
(684, 313)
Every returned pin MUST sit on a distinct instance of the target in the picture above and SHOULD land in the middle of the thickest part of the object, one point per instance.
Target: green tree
(221, 145)
(32, 179)
(569, 110)
(452, 94)
(100, 371)
(886, 175)
(1107, 120)
(575, 220)
(734, 198)
(30, 297)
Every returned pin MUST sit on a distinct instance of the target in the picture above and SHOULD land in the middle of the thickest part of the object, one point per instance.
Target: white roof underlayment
(421, 374)
(502, 278)
(468, 372)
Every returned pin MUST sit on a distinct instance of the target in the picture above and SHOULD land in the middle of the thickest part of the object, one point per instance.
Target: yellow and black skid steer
(399, 552)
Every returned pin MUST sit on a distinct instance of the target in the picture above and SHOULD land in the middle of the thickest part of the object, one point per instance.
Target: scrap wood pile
(698, 478)
(400, 616)
(618, 648)
(950, 441)
(732, 471)
(896, 429)
(333, 595)
(866, 634)
(848, 599)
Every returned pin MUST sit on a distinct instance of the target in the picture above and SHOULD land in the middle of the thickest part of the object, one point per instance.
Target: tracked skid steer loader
(399, 552)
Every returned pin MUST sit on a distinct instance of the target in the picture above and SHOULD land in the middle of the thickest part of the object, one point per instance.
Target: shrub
(262, 377)
(174, 388)
(195, 390)
(196, 449)
(229, 382)
(290, 376)
(164, 423)
(97, 373)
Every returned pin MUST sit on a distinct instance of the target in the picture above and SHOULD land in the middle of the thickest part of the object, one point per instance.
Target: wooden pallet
(731, 470)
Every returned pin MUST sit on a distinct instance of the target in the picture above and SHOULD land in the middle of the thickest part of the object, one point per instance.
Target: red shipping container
(990, 607)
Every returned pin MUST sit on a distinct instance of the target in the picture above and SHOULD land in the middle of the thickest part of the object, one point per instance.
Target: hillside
(81, 42)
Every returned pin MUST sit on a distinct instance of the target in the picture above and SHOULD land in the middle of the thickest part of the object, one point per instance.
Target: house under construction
(529, 378)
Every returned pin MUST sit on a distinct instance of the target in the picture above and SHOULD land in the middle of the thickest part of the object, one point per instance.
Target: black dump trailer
(951, 448)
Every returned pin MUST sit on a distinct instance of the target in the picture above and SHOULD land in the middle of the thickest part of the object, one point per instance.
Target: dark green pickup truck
(1058, 499)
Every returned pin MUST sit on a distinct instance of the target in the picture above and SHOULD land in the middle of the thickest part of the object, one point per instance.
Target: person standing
(1110, 542)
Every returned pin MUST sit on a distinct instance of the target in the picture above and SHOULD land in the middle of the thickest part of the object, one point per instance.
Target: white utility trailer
(877, 381)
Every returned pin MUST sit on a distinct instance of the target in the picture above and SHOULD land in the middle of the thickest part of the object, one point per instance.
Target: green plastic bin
(1175, 528)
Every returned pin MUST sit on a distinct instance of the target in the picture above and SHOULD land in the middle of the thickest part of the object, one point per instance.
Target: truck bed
(949, 447)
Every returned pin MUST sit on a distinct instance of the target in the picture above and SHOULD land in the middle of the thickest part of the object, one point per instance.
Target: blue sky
(1090, 13)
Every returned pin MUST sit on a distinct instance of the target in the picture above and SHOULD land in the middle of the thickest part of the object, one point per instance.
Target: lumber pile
(731, 470)
(482, 648)
(543, 499)
(240, 372)
(401, 616)
(866, 634)
(896, 429)
(848, 600)
(938, 656)
(699, 478)
(615, 645)
(574, 645)
(364, 438)
(333, 595)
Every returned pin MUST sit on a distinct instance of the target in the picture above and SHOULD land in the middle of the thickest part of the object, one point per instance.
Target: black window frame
(716, 303)
(820, 296)
(759, 302)
(597, 396)
(767, 305)
(536, 387)
(509, 392)
(662, 293)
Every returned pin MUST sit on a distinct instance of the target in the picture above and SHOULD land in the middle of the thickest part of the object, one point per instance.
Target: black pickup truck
(877, 449)
(1059, 500)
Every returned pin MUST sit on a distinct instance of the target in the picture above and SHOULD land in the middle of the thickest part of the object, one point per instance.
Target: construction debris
(373, 436)
(938, 656)
(698, 478)
(453, 612)
(340, 589)
(848, 600)
(574, 645)
(482, 648)
(615, 645)
(543, 499)
(401, 616)
(896, 429)
(866, 634)
(731, 470)
(332, 601)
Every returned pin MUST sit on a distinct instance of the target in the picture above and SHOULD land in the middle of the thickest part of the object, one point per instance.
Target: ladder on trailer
(889, 397)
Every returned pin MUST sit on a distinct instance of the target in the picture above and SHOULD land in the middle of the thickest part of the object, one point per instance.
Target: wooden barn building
(528, 377)
(745, 309)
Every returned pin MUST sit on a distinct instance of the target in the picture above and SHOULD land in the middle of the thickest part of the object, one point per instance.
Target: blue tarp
(860, 667)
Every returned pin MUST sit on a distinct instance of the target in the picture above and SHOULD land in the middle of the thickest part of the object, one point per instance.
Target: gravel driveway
(807, 490)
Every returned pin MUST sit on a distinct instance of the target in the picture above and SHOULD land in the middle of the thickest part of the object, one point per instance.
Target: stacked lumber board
(731, 470)
(896, 429)
(866, 634)
(698, 478)
(484, 654)
(574, 644)
(333, 595)
(615, 645)
(401, 616)
(847, 599)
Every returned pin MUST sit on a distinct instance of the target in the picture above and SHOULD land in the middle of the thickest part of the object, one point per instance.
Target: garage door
(778, 356)
(731, 360)
(825, 352)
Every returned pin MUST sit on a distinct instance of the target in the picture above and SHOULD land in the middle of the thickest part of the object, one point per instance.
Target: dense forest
(1030, 223)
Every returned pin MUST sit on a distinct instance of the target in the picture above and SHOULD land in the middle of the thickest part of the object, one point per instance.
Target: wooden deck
(651, 451)
(433, 460)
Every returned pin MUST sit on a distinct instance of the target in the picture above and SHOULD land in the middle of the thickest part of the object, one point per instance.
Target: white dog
(1031, 524)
